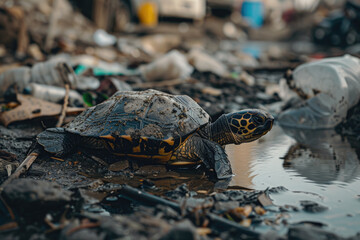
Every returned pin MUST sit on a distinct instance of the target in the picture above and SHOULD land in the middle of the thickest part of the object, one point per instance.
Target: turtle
(154, 126)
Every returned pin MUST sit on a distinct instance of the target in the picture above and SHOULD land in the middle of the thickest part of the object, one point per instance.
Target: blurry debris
(51, 31)
(247, 61)
(13, 29)
(6, 167)
(183, 230)
(212, 91)
(119, 166)
(120, 85)
(87, 83)
(242, 211)
(206, 63)
(53, 94)
(100, 68)
(265, 200)
(8, 156)
(103, 39)
(167, 83)
(2, 51)
(49, 73)
(340, 28)
(110, 85)
(323, 103)
(259, 210)
(313, 207)
(351, 125)
(226, 206)
(160, 43)
(231, 31)
(35, 52)
(17, 76)
(253, 13)
(263, 96)
(33, 108)
(107, 54)
(245, 222)
(247, 78)
(128, 47)
(53, 73)
(172, 65)
(148, 170)
(148, 13)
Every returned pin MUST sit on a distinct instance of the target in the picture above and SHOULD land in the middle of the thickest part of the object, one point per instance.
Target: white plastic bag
(332, 86)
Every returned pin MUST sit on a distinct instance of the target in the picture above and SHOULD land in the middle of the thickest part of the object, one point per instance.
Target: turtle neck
(220, 131)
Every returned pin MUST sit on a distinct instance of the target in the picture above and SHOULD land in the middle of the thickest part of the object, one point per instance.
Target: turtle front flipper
(196, 150)
(56, 141)
(218, 160)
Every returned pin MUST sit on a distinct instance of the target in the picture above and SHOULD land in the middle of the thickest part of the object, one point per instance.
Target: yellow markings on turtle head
(109, 137)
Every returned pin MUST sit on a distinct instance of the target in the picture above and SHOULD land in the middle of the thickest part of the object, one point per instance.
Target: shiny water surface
(320, 166)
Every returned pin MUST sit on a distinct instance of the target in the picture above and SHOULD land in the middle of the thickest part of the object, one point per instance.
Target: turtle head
(249, 124)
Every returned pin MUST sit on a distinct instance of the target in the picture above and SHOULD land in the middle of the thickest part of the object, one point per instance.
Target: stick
(219, 223)
(66, 103)
(24, 166)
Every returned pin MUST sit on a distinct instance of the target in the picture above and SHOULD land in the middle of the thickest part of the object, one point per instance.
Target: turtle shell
(129, 117)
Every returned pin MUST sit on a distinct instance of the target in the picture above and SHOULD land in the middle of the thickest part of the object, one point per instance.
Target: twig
(66, 103)
(24, 166)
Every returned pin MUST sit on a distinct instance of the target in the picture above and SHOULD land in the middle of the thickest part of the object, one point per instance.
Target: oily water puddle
(320, 166)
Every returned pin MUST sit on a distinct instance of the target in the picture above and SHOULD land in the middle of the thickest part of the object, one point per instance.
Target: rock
(30, 195)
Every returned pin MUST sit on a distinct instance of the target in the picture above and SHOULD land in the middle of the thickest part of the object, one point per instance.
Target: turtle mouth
(265, 128)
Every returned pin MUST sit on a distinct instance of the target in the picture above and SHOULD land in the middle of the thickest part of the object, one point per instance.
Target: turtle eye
(258, 120)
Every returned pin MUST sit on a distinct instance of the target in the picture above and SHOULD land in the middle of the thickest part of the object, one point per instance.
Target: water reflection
(322, 156)
(320, 166)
